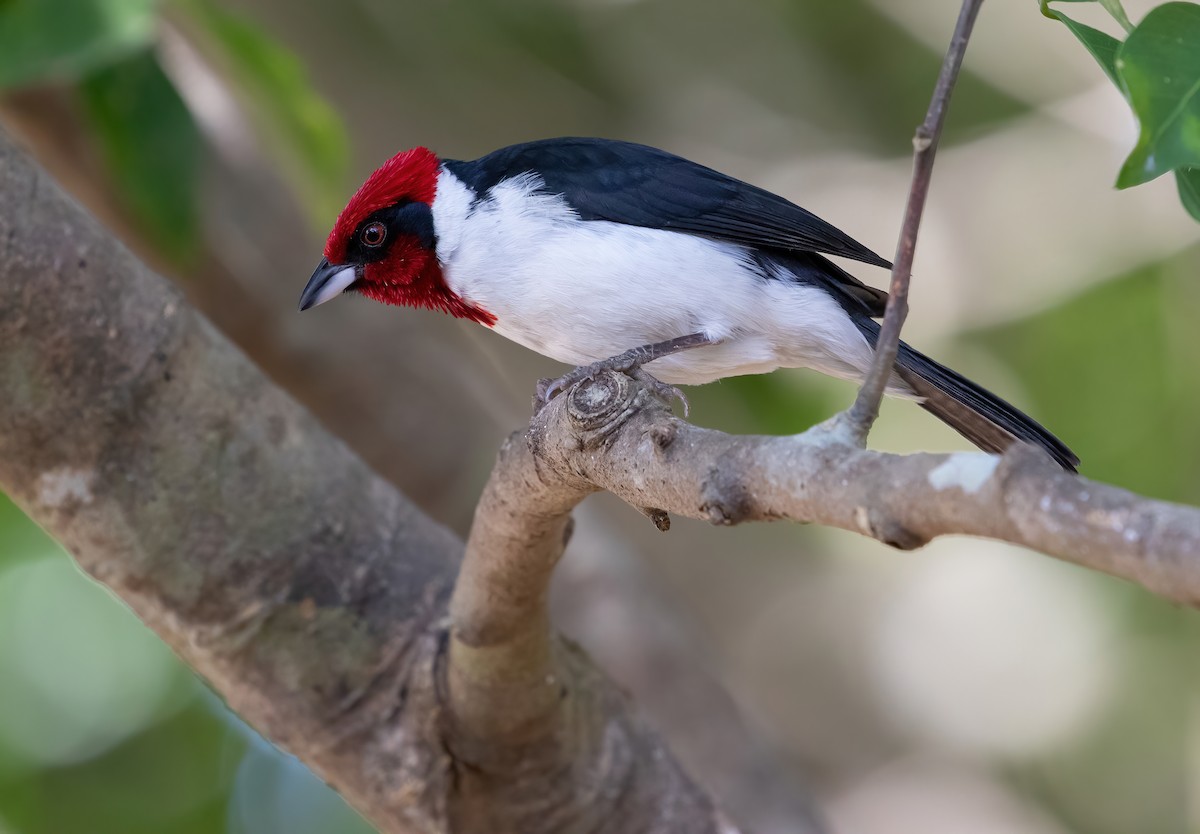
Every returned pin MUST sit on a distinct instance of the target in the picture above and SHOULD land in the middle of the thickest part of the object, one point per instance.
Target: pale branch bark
(508, 677)
(610, 433)
(310, 593)
(505, 663)
(865, 410)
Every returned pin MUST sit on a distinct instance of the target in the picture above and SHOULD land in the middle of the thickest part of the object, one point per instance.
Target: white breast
(579, 291)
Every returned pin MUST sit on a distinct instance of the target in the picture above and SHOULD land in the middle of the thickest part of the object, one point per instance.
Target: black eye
(373, 235)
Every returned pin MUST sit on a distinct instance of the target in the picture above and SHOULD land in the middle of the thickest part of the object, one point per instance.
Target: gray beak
(327, 281)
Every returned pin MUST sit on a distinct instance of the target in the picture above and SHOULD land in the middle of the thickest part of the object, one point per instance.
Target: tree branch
(865, 410)
(611, 433)
(664, 670)
(520, 699)
(309, 593)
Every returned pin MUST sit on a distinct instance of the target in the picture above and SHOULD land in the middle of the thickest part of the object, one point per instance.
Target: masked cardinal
(600, 253)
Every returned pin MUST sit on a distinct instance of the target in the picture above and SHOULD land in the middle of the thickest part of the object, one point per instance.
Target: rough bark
(310, 593)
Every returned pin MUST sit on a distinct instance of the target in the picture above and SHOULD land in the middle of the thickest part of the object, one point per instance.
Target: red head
(383, 244)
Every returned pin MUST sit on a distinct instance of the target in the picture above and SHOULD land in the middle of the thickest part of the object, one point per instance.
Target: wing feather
(604, 179)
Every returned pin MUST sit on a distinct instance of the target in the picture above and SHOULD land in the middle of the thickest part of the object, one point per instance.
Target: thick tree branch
(865, 409)
(520, 698)
(309, 593)
(664, 670)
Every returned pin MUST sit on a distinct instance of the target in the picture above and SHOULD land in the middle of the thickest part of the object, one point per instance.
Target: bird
(606, 253)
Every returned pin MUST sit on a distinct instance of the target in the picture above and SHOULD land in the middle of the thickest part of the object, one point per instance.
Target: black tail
(975, 413)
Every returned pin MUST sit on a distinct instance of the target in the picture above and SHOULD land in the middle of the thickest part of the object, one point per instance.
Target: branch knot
(599, 405)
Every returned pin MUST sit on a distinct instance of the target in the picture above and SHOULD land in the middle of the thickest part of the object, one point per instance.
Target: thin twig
(866, 405)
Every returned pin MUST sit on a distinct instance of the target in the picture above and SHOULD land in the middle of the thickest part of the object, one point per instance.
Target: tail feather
(974, 412)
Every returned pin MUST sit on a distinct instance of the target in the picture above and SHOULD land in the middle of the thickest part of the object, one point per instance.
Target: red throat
(412, 277)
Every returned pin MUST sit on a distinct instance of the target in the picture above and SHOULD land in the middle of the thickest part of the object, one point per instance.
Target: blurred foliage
(151, 145)
(1115, 367)
(281, 101)
(66, 39)
(103, 730)
(549, 32)
(781, 403)
(1130, 773)
(1157, 68)
(883, 69)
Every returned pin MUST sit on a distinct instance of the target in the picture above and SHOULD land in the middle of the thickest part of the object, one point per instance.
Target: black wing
(604, 179)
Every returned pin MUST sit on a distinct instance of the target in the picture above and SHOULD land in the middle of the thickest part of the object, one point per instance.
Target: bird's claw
(544, 392)
(666, 393)
(548, 387)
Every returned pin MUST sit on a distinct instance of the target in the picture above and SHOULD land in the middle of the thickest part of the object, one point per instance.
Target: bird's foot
(630, 362)
(626, 363)
(548, 388)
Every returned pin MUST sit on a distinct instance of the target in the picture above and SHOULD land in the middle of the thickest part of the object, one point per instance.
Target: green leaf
(42, 40)
(1159, 67)
(1102, 45)
(152, 147)
(278, 94)
(1114, 8)
(1188, 180)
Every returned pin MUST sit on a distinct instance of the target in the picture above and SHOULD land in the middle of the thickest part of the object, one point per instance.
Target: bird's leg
(630, 362)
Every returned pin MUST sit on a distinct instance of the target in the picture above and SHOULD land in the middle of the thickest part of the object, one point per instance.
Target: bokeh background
(966, 687)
